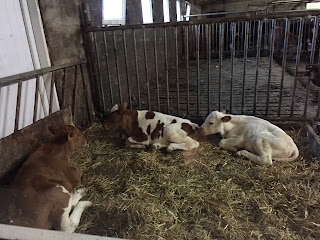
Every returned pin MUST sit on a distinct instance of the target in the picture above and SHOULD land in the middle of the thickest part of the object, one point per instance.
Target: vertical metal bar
(217, 37)
(74, 96)
(284, 60)
(265, 34)
(108, 67)
(177, 71)
(99, 72)
(198, 68)
(209, 63)
(156, 67)
(126, 65)
(314, 40)
(221, 38)
(232, 64)
(254, 32)
(85, 93)
(51, 92)
(63, 100)
(16, 124)
(36, 97)
(244, 64)
(227, 38)
(272, 37)
(137, 67)
(167, 70)
(187, 63)
(297, 64)
(146, 66)
(117, 65)
(260, 26)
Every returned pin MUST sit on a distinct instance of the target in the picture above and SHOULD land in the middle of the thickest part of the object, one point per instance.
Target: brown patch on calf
(132, 128)
(196, 134)
(158, 131)
(150, 115)
(173, 121)
(149, 129)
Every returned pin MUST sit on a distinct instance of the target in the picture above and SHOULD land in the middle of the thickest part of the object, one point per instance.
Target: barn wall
(62, 28)
(248, 5)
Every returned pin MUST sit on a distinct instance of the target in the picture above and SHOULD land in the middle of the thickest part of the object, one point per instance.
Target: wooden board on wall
(15, 148)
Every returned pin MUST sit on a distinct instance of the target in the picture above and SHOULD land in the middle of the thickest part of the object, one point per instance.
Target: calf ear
(70, 136)
(226, 119)
(53, 130)
(122, 108)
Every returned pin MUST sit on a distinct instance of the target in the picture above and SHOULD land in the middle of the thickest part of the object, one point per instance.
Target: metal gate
(252, 65)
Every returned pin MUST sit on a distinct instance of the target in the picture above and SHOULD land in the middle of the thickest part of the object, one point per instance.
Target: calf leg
(70, 223)
(230, 144)
(261, 146)
(188, 144)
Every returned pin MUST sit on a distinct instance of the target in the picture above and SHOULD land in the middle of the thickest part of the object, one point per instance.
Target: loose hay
(205, 194)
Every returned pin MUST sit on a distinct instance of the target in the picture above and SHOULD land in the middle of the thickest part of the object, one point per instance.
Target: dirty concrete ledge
(25, 233)
(313, 140)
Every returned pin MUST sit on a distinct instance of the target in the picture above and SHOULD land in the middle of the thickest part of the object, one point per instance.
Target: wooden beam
(157, 10)
(173, 10)
(133, 12)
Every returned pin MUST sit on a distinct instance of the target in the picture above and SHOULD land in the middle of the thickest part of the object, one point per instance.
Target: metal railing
(244, 64)
(45, 90)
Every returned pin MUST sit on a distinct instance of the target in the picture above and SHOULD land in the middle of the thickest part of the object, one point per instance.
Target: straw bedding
(203, 194)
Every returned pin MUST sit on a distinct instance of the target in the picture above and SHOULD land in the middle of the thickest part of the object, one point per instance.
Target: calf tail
(294, 155)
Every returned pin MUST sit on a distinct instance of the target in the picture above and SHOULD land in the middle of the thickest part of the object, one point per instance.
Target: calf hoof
(240, 153)
(81, 192)
(85, 204)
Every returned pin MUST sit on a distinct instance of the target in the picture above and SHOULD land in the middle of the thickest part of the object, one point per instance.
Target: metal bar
(273, 15)
(51, 91)
(254, 32)
(260, 26)
(245, 65)
(16, 123)
(99, 73)
(314, 38)
(146, 66)
(74, 96)
(108, 68)
(18, 78)
(177, 71)
(167, 70)
(272, 37)
(126, 66)
(36, 97)
(217, 37)
(265, 34)
(117, 65)
(85, 93)
(198, 68)
(227, 38)
(314, 41)
(187, 63)
(297, 64)
(221, 33)
(136, 65)
(232, 63)
(64, 88)
(156, 67)
(284, 61)
(209, 63)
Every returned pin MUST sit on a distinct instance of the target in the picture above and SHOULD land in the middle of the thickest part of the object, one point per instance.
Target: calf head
(214, 122)
(117, 117)
(69, 133)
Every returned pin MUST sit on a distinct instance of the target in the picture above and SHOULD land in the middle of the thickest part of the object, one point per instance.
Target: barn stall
(187, 69)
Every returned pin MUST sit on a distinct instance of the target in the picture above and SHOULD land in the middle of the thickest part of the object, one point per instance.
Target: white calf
(261, 140)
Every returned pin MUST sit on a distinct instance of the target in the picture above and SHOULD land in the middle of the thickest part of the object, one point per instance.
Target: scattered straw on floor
(204, 194)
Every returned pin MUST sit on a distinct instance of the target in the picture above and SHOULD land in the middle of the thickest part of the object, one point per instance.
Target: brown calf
(42, 193)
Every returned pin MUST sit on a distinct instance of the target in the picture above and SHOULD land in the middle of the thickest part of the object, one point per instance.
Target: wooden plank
(15, 148)
(158, 11)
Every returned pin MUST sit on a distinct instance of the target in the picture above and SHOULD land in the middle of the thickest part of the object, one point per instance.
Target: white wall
(22, 48)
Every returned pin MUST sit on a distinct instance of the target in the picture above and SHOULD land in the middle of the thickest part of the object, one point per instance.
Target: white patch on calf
(115, 108)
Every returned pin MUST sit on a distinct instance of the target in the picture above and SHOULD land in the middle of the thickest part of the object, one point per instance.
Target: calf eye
(210, 123)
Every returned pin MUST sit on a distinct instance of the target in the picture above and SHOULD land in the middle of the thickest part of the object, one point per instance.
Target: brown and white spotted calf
(143, 128)
(42, 193)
